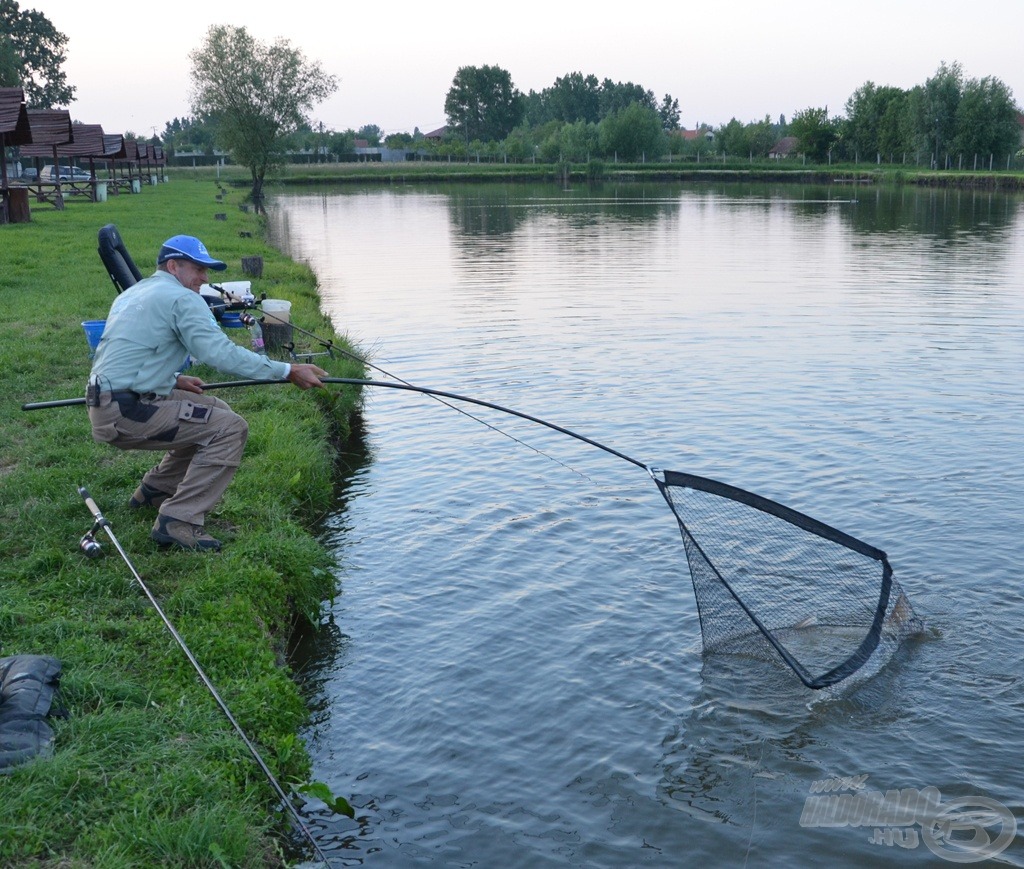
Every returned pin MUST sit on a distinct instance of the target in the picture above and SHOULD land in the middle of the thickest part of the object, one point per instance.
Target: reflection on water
(511, 674)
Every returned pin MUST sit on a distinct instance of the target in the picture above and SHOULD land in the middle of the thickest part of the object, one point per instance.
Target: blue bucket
(93, 333)
(231, 320)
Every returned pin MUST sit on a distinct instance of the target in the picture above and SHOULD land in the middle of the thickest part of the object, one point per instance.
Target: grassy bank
(147, 771)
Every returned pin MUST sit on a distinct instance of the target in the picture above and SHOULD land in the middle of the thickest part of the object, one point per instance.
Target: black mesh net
(772, 581)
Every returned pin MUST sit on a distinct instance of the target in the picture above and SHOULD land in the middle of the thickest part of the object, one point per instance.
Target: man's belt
(131, 395)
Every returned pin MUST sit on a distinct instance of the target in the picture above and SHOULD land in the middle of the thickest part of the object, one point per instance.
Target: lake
(512, 671)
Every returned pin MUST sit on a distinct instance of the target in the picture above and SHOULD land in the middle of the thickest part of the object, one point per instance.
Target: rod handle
(91, 505)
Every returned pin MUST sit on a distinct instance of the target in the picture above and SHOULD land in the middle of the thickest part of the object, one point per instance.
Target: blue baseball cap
(191, 248)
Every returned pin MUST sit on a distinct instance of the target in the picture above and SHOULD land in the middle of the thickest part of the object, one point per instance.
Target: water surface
(511, 674)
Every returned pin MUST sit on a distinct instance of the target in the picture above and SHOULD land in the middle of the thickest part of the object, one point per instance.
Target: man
(139, 400)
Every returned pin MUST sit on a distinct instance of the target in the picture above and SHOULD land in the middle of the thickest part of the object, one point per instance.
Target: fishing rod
(331, 347)
(91, 547)
(355, 381)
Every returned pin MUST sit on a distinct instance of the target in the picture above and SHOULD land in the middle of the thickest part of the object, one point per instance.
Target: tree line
(949, 117)
(949, 121)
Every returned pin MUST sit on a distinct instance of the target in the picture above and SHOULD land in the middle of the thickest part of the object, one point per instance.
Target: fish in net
(771, 581)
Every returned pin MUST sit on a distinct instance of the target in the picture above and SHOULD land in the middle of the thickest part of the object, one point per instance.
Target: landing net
(772, 581)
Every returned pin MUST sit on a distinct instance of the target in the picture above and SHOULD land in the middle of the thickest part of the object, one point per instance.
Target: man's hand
(305, 375)
(189, 383)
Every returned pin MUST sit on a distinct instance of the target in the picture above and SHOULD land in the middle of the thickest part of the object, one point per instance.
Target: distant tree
(483, 103)
(616, 96)
(873, 118)
(536, 108)
(340, 144)
(188, 134)
(10, 63)
(31, 56)
(519, 145)
(815, 132)
(579, 141)
(372, 133)
(733, 139)
(257, 93)
(896, 127)
(762, 136)
(935, 107)
(986, 119)
(669, 113)
(398, 140)
(632, 134)
(575, 97)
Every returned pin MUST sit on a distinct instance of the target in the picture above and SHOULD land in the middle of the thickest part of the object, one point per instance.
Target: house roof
(436, 134)
(785, 146)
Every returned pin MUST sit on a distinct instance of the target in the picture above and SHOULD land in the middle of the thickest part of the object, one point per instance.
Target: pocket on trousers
(191, 412)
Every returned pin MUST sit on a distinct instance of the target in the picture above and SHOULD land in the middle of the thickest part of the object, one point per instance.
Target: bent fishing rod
(330, 347)
(91, 548)
(354, 381)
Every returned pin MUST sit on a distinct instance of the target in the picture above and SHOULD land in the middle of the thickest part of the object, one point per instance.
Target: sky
(395, 61)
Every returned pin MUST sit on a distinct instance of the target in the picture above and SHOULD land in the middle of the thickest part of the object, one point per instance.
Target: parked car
(29, 174)
(67, 173)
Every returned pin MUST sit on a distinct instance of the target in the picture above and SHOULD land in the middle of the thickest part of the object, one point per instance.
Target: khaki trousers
(204, 439)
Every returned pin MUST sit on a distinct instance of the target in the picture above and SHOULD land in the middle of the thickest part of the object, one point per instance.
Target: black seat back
(118, 262)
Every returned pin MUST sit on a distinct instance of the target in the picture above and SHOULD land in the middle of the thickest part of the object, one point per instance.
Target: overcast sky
(395, 60)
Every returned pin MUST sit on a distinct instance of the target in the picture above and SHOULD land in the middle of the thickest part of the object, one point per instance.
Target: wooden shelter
(48, 128)
(14, 130)
(86, 142)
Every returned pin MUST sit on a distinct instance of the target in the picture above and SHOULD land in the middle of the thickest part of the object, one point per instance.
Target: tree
(986, 119)
(873, 119)
(31, 56)
(257, 94)
(10, 63)
(936, 104)
(372, 133)
(632, 134)
(398, 140)
(616, 96)
(816, 133)
(575, 97)
(733, 139)
(483, 103)
(669, 113)
(762, 136)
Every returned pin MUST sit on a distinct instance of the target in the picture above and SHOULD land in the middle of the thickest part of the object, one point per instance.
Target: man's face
(189, 274)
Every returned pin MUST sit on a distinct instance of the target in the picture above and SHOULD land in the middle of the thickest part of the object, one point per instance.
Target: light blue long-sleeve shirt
(151, 328)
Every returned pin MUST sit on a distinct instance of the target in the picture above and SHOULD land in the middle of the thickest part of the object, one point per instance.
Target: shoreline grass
(711, 170)
(147, 771)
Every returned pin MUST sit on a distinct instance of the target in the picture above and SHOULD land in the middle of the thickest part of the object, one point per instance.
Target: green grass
(147, 771)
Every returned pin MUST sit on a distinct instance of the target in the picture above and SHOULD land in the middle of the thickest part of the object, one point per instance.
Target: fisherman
(138, 399)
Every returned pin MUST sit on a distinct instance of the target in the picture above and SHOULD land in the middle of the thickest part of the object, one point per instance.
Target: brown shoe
(147, 496)
(174, 532)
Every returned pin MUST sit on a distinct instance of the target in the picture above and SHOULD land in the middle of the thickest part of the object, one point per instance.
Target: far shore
(710, 171)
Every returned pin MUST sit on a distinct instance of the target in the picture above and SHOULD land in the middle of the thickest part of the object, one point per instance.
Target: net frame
(890, 606)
